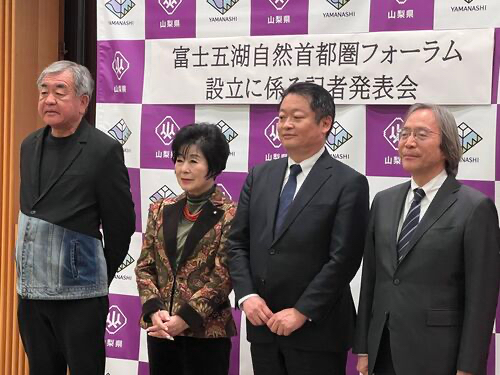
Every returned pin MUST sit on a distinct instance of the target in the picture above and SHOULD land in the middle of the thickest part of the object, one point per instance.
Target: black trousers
(189, 356)
(61, 334)
(383, 362)
(274, 359)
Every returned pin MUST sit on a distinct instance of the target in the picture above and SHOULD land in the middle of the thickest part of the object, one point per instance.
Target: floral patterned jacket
(198, 290)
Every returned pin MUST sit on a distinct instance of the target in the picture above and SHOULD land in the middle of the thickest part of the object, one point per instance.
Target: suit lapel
(273, 187)
(397, 211)
(82, 135)
(318, 175)
(209, 216)
(171, 217)
(35, 162)
(443, 200)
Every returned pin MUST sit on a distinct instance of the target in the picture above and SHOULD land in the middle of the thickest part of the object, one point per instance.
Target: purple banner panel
(234, 360)
(497, 324)
(231, 183)
(352, 360)
(120, 71)
(135, 188)
(399, 15)
(497, 155)
(264, 143)
(159, 124)
(485, 187)
(170, 19)
(122, 327)
(143, 368)
(383, 124)
(491, 357)
(496, 67)
(279, 17)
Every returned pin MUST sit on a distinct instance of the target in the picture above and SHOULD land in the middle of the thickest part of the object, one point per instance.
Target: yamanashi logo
(120, 8)
(468, 137)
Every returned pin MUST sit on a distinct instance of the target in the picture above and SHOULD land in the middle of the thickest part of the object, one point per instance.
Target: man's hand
(176, 325)
(159, 328)
(362, 365)
(286, 321)
(463, 373)
(256, 310)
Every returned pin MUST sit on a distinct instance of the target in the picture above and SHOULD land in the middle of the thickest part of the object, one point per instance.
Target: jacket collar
(211, 213)
(444, 199)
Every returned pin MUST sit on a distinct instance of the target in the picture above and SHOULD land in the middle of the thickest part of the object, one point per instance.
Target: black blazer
(439, 302)
(93, 189)
(310, 262)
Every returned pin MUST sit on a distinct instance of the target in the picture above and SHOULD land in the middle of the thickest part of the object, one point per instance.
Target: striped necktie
(410, 224)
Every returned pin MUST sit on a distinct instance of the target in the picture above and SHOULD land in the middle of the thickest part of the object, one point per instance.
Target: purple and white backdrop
(163, 64)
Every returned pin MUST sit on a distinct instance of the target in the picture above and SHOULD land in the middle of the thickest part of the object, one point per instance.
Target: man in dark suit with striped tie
(431, 264)
(295, 244)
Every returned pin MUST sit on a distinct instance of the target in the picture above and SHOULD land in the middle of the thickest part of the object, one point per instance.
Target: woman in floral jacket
(182, 273)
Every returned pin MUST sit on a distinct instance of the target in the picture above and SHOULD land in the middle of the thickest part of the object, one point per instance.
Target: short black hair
(210, 141)
(320, 100)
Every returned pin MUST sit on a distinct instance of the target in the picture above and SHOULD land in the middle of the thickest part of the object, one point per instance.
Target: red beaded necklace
(188, 215)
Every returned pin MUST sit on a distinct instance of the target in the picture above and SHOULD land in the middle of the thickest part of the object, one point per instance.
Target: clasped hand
(282, 323)
(166, 326)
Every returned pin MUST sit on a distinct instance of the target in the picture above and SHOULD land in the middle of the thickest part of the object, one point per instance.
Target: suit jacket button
(263, 281)
(272, 252)
(396, 281)
(32, 212)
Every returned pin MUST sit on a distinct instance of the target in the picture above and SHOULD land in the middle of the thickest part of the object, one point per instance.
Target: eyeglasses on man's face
(420, 134)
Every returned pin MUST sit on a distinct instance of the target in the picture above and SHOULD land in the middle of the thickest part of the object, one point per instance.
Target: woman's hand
(159, 328)
(176, 325)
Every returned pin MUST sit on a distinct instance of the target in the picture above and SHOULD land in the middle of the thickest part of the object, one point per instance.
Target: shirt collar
(433, 185)
(308, 163)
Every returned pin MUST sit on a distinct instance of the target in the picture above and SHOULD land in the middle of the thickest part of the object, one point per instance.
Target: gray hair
(450, 141)
(82, 79)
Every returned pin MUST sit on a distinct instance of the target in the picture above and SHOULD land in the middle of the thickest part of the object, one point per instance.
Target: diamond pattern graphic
(120, 132)
(120, 8)
(271, 133)
(169, 6)
(337, 137)
(116, 320)
(228, 132)
(391, 133)
(279, 4)
(468, 136)
(166, 130)
(126, 262)
(120, 65)
(222, 6)
(163, 192)
(338, 4)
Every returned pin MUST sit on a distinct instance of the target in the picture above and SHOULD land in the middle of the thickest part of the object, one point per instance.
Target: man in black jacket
(73, 180)
(295, 244)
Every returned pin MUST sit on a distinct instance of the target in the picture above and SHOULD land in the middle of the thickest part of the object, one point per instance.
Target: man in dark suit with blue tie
(431, 265)
(295, 244)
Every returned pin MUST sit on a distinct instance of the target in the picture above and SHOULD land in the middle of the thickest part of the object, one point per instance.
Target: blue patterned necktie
(287, 194)
(410, 224)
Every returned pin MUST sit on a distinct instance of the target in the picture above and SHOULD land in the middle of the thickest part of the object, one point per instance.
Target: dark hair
(210, 141)
(320, 100)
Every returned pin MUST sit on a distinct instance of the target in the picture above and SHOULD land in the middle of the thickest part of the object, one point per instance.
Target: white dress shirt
(431, 188)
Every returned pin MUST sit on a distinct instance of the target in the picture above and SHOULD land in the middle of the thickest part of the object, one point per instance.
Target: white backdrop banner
(369, 68)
